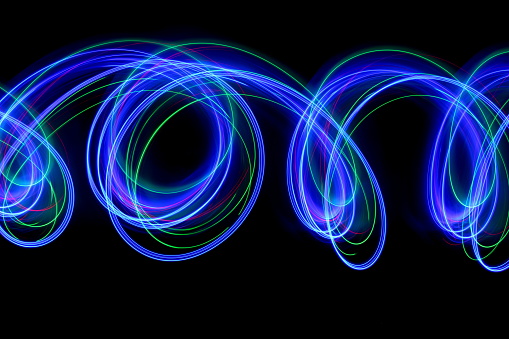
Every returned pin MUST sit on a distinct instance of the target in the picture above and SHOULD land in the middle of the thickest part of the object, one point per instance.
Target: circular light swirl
(200, 211)
(36, 189)
(332, 187)
(468, 176)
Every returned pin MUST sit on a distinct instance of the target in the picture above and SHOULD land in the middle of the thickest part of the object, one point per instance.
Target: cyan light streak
(136, 88)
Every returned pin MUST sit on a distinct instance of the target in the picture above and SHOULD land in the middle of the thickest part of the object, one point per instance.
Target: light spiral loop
(138, 91)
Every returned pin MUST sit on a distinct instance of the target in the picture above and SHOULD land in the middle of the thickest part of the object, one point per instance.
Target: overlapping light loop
(136, 90)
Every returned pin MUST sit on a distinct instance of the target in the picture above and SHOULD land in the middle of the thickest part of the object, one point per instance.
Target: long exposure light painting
(133, 89)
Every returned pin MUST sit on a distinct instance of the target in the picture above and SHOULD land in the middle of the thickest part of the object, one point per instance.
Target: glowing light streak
(136, 89)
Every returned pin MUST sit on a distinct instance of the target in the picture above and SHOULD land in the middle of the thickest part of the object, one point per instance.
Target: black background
(271, 270)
